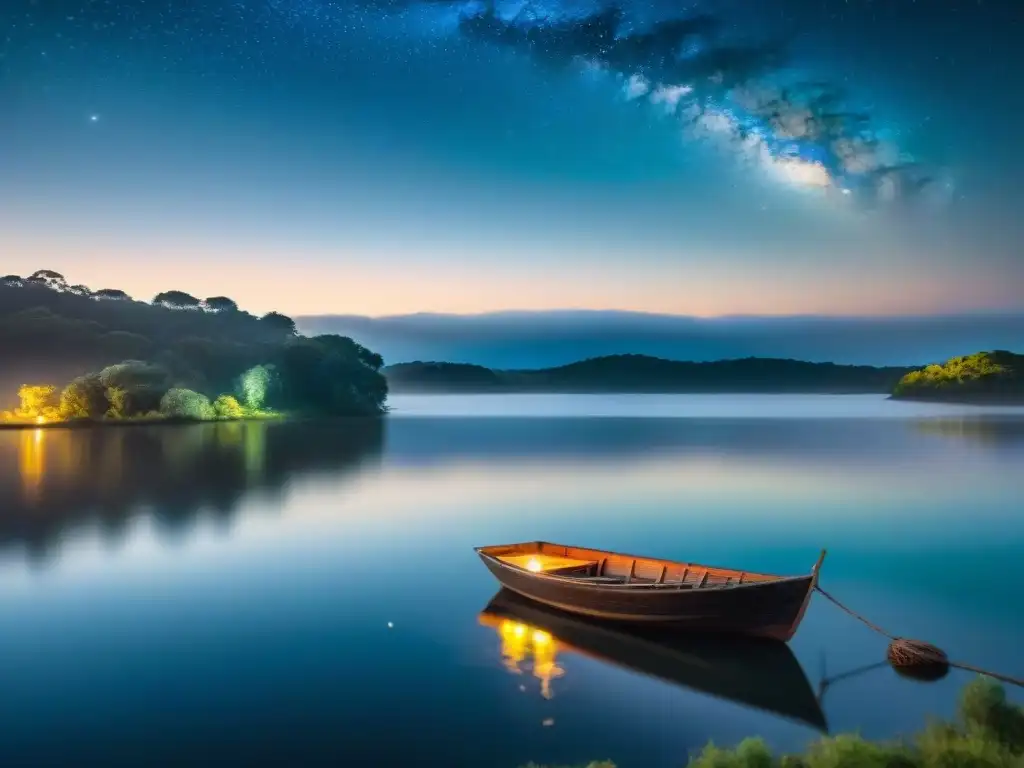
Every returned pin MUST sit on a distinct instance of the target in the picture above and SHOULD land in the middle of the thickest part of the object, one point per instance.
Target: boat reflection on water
(762, 674)
(520, 642)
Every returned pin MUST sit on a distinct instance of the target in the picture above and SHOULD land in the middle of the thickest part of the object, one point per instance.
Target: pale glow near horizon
(310, 281)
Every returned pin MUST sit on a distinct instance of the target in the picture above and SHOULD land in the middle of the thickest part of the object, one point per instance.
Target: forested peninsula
(73, 355)
(982, 378)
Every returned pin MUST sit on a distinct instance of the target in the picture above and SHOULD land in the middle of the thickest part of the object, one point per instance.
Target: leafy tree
(118, 399)
(111, 294)
(49, 279)
(80, 290)
(227, 407)
(37, 401)
(84, 398)
(184, 403)
(326, 374)
(255, 384)
(13, 281)
(220, 304)
(278, 323)
(176, 300)
(134, 387)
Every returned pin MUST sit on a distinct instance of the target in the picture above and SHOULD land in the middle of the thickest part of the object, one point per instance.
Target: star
(94, 118)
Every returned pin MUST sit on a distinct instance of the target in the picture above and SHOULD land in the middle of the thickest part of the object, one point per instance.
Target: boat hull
(770, 609)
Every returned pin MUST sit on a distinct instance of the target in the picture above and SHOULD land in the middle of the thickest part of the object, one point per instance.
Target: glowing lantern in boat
(534, 565)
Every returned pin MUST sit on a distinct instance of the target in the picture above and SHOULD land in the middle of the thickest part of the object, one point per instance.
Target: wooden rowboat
(752, 672)
(627, 588)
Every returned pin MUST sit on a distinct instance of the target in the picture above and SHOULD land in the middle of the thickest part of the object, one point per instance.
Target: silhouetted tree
(220, 304)
(176, 300)
(11, 280)
(326, 375)
(279, 323)
(113, 294)
(80, 290)
(49, 279)
(134, 387)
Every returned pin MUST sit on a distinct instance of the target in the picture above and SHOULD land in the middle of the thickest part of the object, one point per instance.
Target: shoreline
(179, 422)
(966, 400)
(170, 422)
(634, 391)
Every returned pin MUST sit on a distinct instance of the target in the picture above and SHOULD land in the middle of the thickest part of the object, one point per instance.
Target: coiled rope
(915, 658)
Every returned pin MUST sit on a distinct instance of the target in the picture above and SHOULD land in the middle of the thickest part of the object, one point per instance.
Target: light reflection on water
(228, 588)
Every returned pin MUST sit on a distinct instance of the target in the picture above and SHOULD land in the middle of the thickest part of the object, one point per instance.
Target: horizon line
(976, 313)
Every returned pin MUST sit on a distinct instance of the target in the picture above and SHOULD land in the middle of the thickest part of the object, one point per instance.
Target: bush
(84, 398)
(180, 403)
(988, 733)
(227, 407)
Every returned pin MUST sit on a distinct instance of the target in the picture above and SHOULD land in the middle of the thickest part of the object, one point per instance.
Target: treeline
(641, 373)
(53, 332)
(982, 377)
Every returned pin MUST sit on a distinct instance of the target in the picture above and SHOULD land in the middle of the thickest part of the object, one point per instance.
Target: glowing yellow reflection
(31, 462)
(533, 565)
(519, 642)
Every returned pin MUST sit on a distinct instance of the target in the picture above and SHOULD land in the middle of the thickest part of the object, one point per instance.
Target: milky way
(743, 95)
(802, 132)
(740, 93)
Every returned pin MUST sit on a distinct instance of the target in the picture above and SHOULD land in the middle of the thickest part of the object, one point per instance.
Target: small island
(102, 358)
(642, 374)
(982, 378)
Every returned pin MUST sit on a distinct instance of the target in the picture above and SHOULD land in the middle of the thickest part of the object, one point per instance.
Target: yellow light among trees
(38, 405)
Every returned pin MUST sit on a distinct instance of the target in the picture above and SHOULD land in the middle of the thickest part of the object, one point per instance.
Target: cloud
(636, 86)
(804, 133)
(670, 95)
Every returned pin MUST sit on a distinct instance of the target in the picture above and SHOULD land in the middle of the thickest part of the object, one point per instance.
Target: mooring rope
(905, 653)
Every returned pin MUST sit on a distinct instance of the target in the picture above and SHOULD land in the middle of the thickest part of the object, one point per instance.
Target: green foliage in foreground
(984, 374)
(988, 733)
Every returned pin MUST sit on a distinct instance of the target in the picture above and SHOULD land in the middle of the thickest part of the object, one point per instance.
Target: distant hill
(519, 340)
(984, 377)
(645, 374)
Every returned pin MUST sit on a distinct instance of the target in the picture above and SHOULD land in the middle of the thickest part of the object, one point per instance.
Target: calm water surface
(285, 594)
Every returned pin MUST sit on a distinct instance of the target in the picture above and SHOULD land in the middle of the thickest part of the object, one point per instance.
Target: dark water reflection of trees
(52, 481)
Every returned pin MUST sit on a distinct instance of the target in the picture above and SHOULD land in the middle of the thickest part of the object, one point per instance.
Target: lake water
(308, 594)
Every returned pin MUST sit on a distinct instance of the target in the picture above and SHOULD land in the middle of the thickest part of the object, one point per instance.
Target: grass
(988, 732)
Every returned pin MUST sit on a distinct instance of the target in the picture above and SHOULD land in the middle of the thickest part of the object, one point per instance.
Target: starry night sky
(726, 157)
